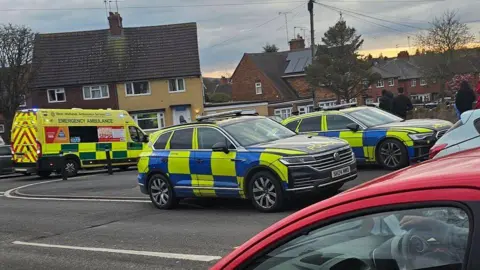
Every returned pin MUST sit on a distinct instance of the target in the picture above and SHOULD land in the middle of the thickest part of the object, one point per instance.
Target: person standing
(385, 102)
(465, 98)
(401, 104)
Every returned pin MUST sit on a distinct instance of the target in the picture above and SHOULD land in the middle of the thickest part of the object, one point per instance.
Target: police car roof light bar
(225, 114)
(339, 107)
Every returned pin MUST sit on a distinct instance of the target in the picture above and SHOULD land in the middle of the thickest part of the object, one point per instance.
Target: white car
(464, 135)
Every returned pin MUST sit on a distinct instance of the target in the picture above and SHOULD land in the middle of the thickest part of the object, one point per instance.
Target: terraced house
(153, 72)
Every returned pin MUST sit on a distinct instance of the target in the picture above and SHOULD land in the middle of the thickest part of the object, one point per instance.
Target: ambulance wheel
(161, 192)
(124, 168)
(392, 154)
(44, 174)
(266, 192)
(71, 167)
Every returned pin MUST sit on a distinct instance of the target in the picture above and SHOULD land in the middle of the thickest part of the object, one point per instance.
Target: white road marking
(10, 194)
(1, 194)
(177, 256)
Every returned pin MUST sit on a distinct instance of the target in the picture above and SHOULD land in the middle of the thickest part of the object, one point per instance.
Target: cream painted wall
(161, 98)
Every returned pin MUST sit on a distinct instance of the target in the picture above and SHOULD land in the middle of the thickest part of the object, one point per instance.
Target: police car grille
(327, 161)
(441, 133)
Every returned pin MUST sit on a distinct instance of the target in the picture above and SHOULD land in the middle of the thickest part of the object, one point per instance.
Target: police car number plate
(340, 172)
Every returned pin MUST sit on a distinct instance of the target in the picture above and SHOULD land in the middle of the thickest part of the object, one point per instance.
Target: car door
(336, 126)
(215, 171)
(419, 229)
(181, 161)
(310, 125)
(5, 159)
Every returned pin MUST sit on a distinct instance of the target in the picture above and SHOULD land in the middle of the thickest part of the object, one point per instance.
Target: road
(65, 225)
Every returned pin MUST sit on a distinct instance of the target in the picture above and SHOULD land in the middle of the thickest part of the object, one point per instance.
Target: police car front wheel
(161, 192)
(266, 192)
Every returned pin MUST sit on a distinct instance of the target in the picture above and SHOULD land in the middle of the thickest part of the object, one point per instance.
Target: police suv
(241, 155)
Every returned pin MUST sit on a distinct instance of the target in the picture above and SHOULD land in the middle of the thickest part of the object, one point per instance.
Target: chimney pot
(115, 23)
(297, 43)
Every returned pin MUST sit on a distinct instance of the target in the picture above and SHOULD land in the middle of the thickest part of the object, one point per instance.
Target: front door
(336, 126)
(215, 171)
(181, 115)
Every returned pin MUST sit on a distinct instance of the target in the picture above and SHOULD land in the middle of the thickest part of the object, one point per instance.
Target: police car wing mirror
(353, 127)
(145, 139)
(220, 147)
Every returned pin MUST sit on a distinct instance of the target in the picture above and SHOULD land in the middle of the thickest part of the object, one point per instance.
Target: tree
(218, 98)
(369, 56)
(403, 54)
(417, 52)
(445, 35)
(441, 42)
(270, 48)
(16, 72)
(338, 66)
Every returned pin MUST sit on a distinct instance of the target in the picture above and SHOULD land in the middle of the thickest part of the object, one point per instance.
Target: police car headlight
(421, 136)
(297, 160)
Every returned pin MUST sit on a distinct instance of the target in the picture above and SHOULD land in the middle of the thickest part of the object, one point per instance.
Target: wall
(74, 99)
(243, 83)
(419, 89)
(260, 108)
(161, 98)
(443, 112)
(302, 87)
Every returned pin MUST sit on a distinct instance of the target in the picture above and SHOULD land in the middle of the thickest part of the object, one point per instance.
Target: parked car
(421, 217)
(238, 156)
(465, 134)
(6, 165)
(375, 136)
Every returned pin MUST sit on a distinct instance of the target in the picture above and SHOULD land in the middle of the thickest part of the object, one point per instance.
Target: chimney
(297, 43)
(223, 80)
(115, 22)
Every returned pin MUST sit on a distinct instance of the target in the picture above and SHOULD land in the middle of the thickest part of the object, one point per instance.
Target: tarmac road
(62, 233)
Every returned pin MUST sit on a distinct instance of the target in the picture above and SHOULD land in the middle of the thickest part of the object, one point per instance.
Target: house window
(95, 92)
(2, 128)
(380, 84)
(150, 121)
(283, 113)
(423, 82)
(414, 82)
(258, 88)
(326, 104)
(56, 95)
(421, 98)
(305, 109)
(369, 101)
(353, 100)
(137, 88)
(176, 85)
(23, 102)
(391, 82)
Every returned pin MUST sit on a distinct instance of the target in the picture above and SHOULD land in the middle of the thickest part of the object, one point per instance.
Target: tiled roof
(385, 74)
(402, 68)
(273, 66)
(97, 57)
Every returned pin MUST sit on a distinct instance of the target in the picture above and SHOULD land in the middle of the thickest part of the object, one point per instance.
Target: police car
(240, 155)
(375, 136)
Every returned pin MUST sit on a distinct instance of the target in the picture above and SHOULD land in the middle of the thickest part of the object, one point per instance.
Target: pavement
(98, 221)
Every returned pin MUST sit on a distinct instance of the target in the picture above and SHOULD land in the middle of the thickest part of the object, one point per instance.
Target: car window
(310, 124)
(136, 135)
(406, 239)
(292, 125)
(476, 123)
(162, 141)
(182, 139)
(208, 137)
(337, 122)
(5, 150)
(257, 131)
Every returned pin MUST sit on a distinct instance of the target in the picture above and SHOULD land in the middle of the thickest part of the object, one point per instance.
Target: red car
(421, 217)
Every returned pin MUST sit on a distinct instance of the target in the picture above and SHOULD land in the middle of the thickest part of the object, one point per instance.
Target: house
(279, 79)
(217, 88)
(152, 72)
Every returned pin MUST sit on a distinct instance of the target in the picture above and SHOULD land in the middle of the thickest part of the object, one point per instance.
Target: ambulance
(46, 140)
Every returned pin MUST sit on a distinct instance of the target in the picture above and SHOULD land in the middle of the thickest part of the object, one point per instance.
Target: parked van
(41, 136)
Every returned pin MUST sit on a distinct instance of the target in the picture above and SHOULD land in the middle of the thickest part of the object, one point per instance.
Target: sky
(229, 28)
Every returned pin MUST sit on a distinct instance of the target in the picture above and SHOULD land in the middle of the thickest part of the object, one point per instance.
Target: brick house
(153, 72)
(279, 79)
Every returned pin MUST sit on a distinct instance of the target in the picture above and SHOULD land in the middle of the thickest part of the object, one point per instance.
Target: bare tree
(445, 35)
(16, 56)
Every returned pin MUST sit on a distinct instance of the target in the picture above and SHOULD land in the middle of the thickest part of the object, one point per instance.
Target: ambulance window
(182, 139)
(162, 141)
(136, 135)
(83, 134)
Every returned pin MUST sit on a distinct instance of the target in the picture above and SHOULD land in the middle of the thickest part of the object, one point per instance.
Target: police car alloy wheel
(161, 192)
(265, 192)
(392, 155)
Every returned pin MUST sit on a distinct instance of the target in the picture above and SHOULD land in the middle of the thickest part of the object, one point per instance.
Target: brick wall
(376, 92)
(74, 99)
(303, 89)
(243, 83)
(420, 89)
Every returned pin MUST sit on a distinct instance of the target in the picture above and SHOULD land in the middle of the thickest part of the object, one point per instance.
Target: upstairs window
(56, 95)
(423, 82)
(95, 92)
(176, 85)
(391, 82)
(137, 88)
(414, 82)
(258, 88)
(380, 83)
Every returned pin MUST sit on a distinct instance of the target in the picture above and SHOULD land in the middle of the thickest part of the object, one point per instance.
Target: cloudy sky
(228, 28)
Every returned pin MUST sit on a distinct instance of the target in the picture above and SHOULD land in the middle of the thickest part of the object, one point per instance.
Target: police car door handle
(235, 159)
(199, 160)
(165, 160)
